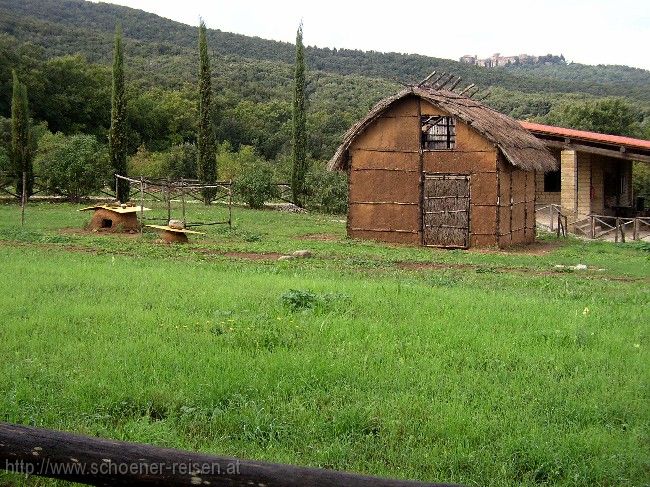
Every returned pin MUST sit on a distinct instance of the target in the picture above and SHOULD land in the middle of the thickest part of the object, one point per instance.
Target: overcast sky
(585, 31)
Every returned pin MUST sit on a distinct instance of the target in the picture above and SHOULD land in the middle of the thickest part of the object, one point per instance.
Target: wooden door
(445, 210)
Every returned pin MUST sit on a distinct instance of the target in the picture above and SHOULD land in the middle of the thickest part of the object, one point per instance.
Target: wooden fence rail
(96, 461)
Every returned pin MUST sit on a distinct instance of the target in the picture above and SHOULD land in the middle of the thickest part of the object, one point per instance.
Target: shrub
(148, 164)
(73, 166)
(5, 163)
(234, 164)
(328, 190)
(181, 161)
(255, 187)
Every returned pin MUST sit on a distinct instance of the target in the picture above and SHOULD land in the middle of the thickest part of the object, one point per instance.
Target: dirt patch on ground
(242, 255)
(84, 232)
(537, 248)
(251, 255)
(320, 237)
(421, 266)
(587, 274)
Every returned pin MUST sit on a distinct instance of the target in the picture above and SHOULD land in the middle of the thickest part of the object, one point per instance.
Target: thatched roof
(522, 149)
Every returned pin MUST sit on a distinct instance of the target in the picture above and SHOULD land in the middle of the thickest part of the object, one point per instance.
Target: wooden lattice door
(445, 211)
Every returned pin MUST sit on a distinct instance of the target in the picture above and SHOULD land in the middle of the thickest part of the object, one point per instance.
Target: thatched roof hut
(432, 167)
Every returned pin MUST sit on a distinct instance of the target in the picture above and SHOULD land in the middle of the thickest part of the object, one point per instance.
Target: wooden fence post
(635, 227)
(141, 204)
(592, 220)
(169, 197)
(230, 203)
(550, 216)
(23, 199)
(183, 199)
(623, 233)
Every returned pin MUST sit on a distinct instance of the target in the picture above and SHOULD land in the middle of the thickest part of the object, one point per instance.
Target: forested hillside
(61, 50)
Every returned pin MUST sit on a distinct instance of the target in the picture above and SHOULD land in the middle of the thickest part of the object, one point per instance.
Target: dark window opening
(552, 182)
(438, 132)
(107, 223)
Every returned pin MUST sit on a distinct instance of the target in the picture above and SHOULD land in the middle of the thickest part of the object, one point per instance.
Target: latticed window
(438, 132)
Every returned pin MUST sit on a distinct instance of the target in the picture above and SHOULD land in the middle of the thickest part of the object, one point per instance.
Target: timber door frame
(445, 176)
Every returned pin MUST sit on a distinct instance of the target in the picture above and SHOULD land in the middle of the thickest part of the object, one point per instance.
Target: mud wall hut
(431, 167)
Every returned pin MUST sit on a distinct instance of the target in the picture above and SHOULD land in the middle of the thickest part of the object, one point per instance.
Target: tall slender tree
(299, 127)
(207, 157)
(117, 135)
(21, 150)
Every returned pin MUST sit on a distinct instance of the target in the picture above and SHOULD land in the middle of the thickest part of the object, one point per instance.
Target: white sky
(585, 31)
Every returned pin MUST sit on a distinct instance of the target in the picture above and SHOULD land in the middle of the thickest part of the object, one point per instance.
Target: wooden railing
(551, 213)
(602, 226)
(95, 461)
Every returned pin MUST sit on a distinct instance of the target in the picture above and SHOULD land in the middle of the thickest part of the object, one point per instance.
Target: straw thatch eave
(519, 147)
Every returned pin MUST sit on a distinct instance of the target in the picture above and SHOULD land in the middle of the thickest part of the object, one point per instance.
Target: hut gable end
(394, 125)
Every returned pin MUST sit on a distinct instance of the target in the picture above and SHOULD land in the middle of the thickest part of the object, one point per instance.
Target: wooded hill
(251, 78)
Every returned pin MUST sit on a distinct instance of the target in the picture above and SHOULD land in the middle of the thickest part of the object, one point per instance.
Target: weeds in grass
(300, 300)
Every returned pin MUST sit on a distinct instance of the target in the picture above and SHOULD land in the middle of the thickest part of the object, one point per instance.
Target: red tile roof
(627, 142)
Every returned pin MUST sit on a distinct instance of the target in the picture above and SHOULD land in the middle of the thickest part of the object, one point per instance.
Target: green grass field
(481, 368)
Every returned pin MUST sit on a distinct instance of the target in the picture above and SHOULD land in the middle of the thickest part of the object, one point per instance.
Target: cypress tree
(21, 153)
(299, 127)
(207, 162)
(117, 135)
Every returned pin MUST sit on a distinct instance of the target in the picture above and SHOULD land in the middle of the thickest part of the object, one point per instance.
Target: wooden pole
(169, 204)
(618, 224)
(559, 223)
(623, 233)
(230, 203)
(592, 221)
(23, 199)
(141, 204)
(550, 216)
(635, 231)
(117, 182)
(96, 461)
(183, 199)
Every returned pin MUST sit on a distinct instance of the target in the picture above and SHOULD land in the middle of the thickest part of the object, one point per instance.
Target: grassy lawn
(482, 368)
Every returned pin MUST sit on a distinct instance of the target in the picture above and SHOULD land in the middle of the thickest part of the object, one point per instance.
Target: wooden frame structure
(181, 188)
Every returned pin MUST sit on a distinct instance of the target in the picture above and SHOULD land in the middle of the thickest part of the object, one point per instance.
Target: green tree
(21, 141)
(73, 166)
(74, 96)
(207, 162)
(299, 128)
(608, 115)
(117, 136)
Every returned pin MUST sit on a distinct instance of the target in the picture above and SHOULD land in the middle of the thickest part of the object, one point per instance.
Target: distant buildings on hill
(521, 59)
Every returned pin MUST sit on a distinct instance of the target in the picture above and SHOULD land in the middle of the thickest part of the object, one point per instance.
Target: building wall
(386, 169)
(384, 192)
(517, 191)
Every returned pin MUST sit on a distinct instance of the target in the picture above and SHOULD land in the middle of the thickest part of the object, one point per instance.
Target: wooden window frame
(444, 140)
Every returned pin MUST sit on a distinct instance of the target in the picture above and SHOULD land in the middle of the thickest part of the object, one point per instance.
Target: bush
(328, 190)
(148, 164)
(181, 161)
(5, 162)
(234, 164)
(255, 185)
(73, 166)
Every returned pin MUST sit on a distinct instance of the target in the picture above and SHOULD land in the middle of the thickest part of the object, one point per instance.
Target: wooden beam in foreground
(96, 461)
